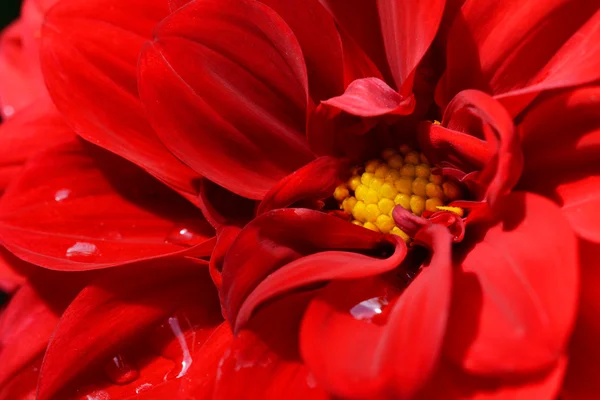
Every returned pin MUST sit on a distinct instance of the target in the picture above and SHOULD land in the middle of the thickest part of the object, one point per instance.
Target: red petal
(360, 21)
(297, 240)
(515, 51)
(127, 301)
(315, 181)
(225, 86)
(13, 271)
(320, 41)
(76, 207)
(490, 126)
(263, 361)
(408, 28)
(515, 294)
(89, 55)
(355, 358)
(30, 131)
(561, 155)
(450, 383)
(583, 375)
(222, 207)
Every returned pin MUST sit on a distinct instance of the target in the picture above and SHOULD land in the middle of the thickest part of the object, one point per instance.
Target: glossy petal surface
(90, 51)
(226, 89)
(77, 207)
(515, 293)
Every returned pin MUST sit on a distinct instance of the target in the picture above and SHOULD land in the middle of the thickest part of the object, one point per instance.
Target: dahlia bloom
(311, 198)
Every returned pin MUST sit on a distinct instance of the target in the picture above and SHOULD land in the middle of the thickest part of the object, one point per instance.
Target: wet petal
(289, 248)
(561, 155)
(408, 28)
(89, 55)
(354, 356)
(516, 292)
(128, 302)
(235, 117)
(515, 52)
(78, 207)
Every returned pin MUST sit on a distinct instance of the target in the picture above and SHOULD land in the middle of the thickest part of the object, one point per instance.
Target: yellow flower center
(400, 178)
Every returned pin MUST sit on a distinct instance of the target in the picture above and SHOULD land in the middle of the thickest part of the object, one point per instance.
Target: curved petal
(450, 383)
(297, 240)
(516, 51)
(320, 41)
(516, 291)
(408, 28)
(477, 133)
(13, 272)
(225, 86)
(36, 128)
(221, 207)
(89, 55)
(128, 302)
(262, 361)
(360, 21)
(315, 181)
(353, 356)
(77, 207)
(561, 155)
(21, 82)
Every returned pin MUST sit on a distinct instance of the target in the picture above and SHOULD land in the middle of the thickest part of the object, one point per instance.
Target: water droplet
(311, 382)
(8, 111)
(186, 234)
(143, 388)
(187, 357)
(120, 371)
(368, 309)
(82, 249)
(98, 395)
(62, 194)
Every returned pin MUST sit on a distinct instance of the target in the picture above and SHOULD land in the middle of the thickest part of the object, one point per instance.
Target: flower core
(399, 178)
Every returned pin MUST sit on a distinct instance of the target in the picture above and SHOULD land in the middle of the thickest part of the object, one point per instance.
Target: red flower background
(166, 174)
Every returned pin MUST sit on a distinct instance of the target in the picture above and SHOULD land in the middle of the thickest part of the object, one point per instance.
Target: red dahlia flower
(363, 249)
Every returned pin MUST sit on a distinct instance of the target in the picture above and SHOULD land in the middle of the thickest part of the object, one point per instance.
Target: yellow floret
(353, 182)
(341, 192)
(388, 191)
(404, 185)
(399, 232)
(355, 222)
(422, 171)
(386, 205)
(433, 190)
(376, 183)
(451, 190)
(412, 158)
(417, 204)
(372, 197)
(437, 179)
(433, 204)
(372, 165)
(372, 212)
(408, 170)
(359, 211)
(418, 186)
(349, 203)
(385, 223)
(361, 192)
(395, 161)
(403, 200)
(371, 226)
(365, 179)
(382, 171)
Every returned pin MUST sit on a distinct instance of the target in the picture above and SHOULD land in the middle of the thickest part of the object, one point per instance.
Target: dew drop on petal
(8, 111)
(144, 387)
(62, 194)
(368, 309)
(82, 249)
(98, 395)
(120, 371)
(183, 235)
(187, 357)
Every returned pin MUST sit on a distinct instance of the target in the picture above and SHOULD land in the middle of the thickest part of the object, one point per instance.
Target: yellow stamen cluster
(401, 178)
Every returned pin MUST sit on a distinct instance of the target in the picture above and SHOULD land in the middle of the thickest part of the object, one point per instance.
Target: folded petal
(78, 207)
(477, 134)
(289, 248)
(34, 129)
(89, 54)
(315, 181)
(128, 301)
(515, 293)
(408, 28)
(561, 141)
(516, 51)
(225, 85)
(222, 207)
(354, 352)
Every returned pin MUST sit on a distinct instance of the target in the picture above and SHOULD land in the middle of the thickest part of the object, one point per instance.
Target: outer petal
(226, 89)
(287, 249)
(480, 135)
(515, 51)
(561, 143)
(262, 361)
(78, 207)
(128, 302)
(30, 131)
(515, 294)
(89, 55)
(408, 28)
(354, 357)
